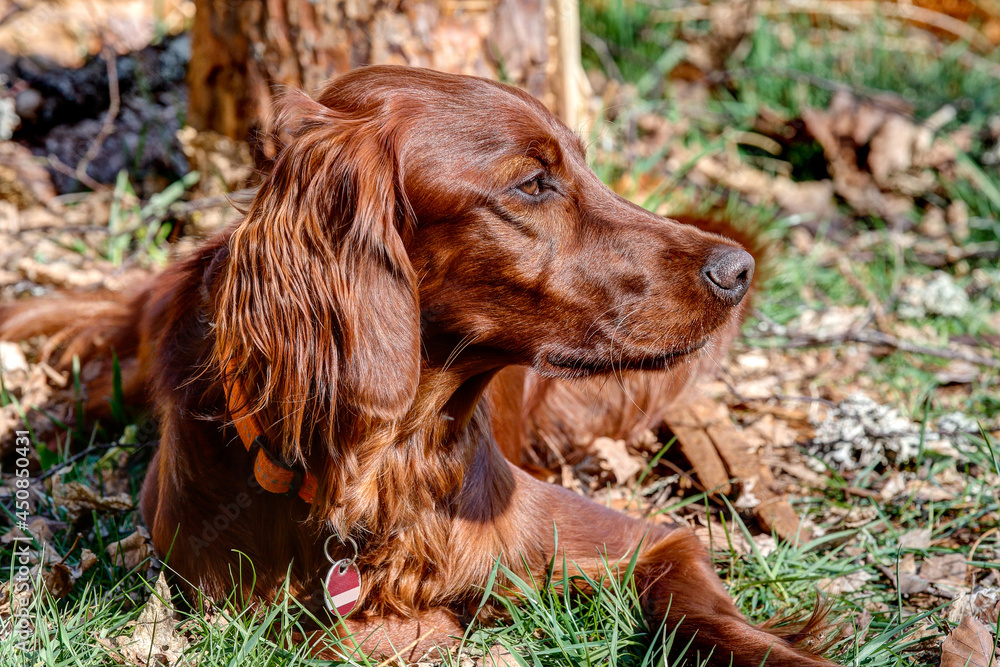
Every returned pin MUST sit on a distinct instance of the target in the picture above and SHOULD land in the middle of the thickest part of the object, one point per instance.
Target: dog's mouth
(581, 364)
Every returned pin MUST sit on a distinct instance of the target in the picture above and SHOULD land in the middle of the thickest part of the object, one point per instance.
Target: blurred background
(860, 139)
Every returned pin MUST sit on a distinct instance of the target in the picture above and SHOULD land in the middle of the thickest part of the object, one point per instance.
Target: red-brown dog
(417, 233)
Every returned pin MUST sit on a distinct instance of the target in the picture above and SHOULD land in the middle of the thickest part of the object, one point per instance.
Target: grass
(789, 62)
(552, 625)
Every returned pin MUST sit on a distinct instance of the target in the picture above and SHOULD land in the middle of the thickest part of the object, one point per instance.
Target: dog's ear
(317, 312)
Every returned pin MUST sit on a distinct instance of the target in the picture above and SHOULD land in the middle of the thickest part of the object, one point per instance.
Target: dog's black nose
(728, 272)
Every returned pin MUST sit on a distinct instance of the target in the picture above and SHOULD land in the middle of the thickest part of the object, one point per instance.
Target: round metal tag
(343, 586)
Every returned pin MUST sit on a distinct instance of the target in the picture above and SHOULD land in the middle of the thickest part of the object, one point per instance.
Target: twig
(408, 647)
(859, 492)
(975, 546)
(71, 549)
(872, 96)
(84, 178)
(872, 337)
(867, 336)
(603, 54)
(202, 203)
(875, 308)
(686, 475)
(925, 47)
(75, 229)
(954, 255)
(85, 453)
(790, 399)
(907, 12)
(109, 118)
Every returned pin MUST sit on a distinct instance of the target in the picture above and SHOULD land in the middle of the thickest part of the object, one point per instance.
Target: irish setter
(417, 234)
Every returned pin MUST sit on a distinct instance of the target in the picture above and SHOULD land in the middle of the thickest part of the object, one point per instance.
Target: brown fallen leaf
(969, 645)
(718, 539)
(847, 583)
(911, 584)
(154, 640)
(497, 657)
(948, 569)
(919, 538)
(617, 459)
(42, 528)
(79, 499)
(904, 578)
(60, 578)
(131, 551)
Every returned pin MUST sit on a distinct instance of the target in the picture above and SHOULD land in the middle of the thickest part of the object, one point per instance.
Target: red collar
(272, 474)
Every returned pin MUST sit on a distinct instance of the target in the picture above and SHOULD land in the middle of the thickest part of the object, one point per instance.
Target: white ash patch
(936, 295)
(955, 423)
(9, 120)
(859, 432)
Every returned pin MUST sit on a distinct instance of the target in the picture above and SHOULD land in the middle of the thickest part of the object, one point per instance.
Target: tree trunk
(243, 50)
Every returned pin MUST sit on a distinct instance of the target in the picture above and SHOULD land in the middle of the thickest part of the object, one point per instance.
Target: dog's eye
(532, 187)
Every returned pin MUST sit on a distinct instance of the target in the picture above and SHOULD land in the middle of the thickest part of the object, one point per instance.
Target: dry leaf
(60, 578)
(499, 657)
(776, 432)
(79, 499)
(911, 584)
(747, 500)
(915, 539)
(969, 645)
(983, 603)
(155, 640)
(949, 568)
(87, 559)
(848, 583)
(717, 538)
(813, 198)
(892, 149)
(903, 576)
(907, 564)
(766, 544)
(42, 528)
(11, 358)
(131, 551)
(895, 485)
(617, 459)
(957, 372)
(927, 491)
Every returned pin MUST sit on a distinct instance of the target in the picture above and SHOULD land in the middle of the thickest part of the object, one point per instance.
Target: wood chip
(718, 452)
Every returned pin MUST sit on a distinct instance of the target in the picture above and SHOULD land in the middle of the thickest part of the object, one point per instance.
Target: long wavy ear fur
(318, 310)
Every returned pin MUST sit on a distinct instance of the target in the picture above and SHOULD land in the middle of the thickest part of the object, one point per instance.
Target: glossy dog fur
(417, 234)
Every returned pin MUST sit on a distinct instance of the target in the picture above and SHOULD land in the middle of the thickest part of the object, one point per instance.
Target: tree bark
(243, 51)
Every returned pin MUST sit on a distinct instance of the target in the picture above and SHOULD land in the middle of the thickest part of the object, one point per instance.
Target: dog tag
(343, 586)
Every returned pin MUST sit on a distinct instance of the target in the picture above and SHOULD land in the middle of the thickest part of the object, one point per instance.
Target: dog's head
(415, 221)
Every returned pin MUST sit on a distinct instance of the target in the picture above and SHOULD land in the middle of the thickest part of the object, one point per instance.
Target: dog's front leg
(541, 524)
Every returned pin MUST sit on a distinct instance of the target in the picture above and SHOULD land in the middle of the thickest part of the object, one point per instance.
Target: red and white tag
(343, 586)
